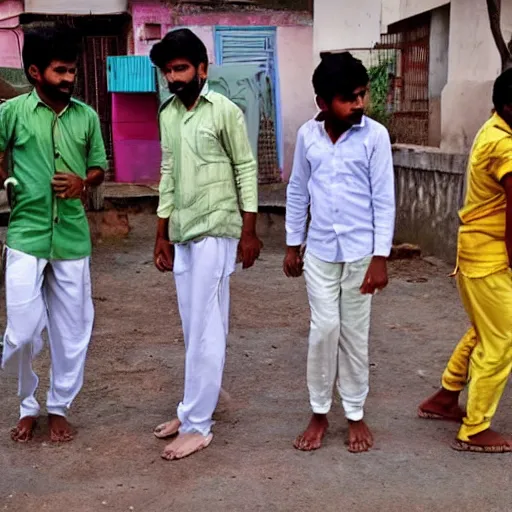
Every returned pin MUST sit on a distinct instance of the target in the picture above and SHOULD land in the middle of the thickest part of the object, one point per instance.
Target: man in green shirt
(207, 213)
(56, 151)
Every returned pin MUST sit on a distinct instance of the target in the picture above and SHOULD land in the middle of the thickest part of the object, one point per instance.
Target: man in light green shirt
(56, 150)
(207, 214)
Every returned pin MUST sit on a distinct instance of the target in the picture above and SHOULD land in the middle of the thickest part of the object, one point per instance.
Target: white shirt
(349, 188)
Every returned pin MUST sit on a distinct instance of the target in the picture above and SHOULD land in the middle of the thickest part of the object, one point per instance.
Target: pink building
(287, 37)
(11, 36)
(280, 41)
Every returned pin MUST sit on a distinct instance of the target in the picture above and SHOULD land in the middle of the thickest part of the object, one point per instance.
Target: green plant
(379, 87)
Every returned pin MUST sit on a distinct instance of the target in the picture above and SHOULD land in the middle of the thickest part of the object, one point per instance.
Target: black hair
(44, 44)
(502, 91)
(338, 74)
(181, 43)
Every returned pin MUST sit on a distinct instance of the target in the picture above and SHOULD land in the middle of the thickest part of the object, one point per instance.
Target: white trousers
(338, 339)
(201, 272)
(55, 295)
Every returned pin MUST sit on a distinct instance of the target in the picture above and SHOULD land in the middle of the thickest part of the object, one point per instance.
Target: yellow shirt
(481, 245)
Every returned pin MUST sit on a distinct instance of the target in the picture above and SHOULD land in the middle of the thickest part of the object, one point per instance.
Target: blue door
(253, 45)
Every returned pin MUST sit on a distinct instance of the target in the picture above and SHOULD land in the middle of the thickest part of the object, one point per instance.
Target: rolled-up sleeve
(297, 195)
(382, 180)
(166, 187)
(245, 168)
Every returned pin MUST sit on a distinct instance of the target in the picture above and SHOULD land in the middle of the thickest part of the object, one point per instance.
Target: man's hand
(68, 186)
(376, 276)
(293, 262)
(249, 249)
(163, 255)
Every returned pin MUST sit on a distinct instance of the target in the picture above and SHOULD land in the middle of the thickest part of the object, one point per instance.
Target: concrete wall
(429, 193)
(76, 7)
(409, 8)
(438, 69)
(346, 24)
(396, 10)
(11, 36)
(294, 41)
(473, 65)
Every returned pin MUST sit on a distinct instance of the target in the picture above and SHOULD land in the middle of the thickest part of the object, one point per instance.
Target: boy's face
(506, 114)
(181, 74)
(57, 81)
(347, 109)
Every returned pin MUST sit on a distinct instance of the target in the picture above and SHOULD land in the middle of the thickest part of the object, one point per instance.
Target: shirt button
(57, 154)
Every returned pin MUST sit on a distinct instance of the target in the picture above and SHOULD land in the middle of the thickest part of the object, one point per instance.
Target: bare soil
(134, 381)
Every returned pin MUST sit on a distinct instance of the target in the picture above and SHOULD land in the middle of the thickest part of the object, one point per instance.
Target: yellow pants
(483, 357)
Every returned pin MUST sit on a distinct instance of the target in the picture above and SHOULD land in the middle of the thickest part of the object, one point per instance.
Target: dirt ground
(134, 381)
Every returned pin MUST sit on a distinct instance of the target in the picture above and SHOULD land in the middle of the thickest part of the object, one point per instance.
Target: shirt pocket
(209, 147)
(352, 165)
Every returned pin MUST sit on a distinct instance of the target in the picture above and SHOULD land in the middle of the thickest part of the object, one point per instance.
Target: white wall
(342, 24)
(295, 72)
(396, 10)
(473, 65)
(410, 8)
(76, 6)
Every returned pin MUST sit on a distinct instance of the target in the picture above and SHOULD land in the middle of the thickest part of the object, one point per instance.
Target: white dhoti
(55, 295)
(201, 271)
(338, 339)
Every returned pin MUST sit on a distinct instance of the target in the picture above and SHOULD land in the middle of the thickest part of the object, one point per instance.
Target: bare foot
(360, 438)
(185, 445)
(60, 430)
(167, 429)
(487, 441)
(24, 430)
(443, 405)
(311, 439)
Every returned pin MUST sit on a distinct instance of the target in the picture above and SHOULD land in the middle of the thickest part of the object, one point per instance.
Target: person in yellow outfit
(483, 358)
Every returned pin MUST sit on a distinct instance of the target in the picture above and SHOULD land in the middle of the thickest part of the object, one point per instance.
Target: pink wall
(294, 37)
(11, 36)
(135, 138)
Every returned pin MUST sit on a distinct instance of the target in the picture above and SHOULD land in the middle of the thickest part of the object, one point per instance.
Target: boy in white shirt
(343, 175)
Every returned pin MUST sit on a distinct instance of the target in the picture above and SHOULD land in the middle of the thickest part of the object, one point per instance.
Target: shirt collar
(35, 101)
(205, 93)
(319, 118)
(500, 123)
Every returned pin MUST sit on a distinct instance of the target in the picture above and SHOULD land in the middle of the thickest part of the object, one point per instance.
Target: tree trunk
(505, 51)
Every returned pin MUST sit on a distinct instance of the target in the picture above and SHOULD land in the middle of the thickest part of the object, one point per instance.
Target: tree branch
(494, 10)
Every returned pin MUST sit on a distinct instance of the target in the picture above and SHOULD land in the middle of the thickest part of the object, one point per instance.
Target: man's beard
(55, 93)
(357, 117)
(187, 92)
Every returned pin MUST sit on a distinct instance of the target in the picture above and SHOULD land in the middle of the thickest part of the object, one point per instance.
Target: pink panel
(134, 108)
(137, 161)
(135, 131)
(136, 138)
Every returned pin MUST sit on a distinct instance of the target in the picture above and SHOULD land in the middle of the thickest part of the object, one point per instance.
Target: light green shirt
(43, 143)
(209, 174)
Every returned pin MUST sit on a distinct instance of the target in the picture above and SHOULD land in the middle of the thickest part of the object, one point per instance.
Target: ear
(34, 73)
(322, 104)
(201, 71)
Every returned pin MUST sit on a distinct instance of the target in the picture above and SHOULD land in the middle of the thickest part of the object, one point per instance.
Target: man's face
(181, 75)
(58, 79)
(349, 109)
(506, 114)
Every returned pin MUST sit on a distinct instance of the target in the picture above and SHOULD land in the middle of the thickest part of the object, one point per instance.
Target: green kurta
(43, 143)
(208, 170)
